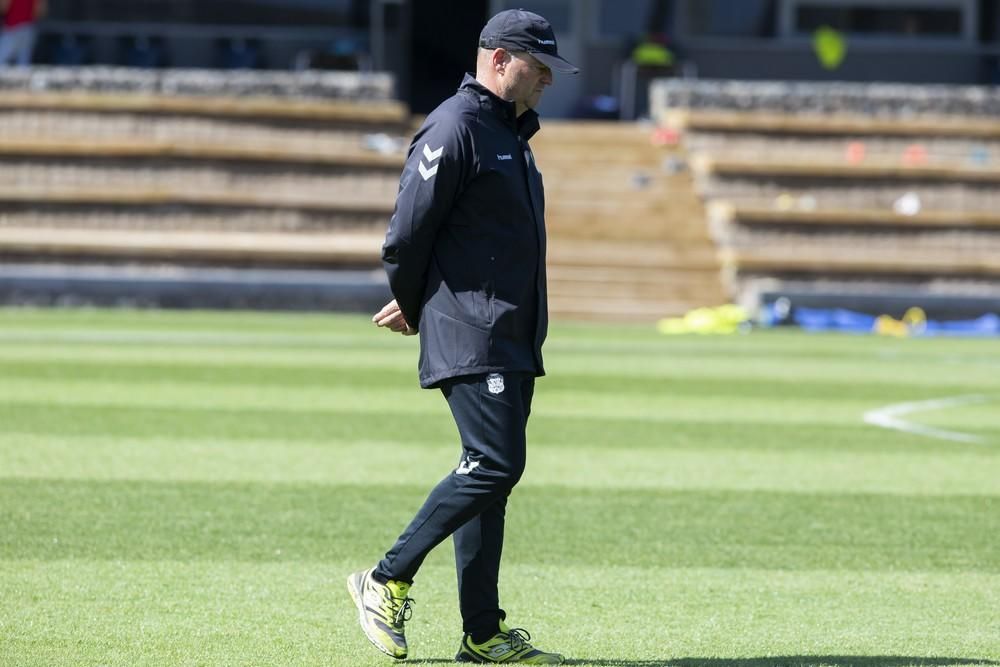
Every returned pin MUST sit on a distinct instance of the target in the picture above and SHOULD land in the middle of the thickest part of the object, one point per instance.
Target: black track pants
(491, 412)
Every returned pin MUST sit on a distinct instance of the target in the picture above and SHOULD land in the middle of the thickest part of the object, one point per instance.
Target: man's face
(527, 79)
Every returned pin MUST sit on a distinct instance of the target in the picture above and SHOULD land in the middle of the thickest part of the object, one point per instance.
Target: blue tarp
(840, 319)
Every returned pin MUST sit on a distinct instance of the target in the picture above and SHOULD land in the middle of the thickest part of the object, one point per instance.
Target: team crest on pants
(494, 382)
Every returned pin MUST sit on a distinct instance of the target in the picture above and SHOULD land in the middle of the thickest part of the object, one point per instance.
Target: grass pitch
(193, 489)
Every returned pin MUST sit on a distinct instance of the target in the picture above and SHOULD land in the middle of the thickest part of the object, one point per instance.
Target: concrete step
(171, 286)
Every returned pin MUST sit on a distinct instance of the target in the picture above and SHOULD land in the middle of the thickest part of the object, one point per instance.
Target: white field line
(889, 416)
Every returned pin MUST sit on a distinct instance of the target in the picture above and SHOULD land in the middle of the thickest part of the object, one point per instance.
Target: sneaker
(508, 645)
(382, 611)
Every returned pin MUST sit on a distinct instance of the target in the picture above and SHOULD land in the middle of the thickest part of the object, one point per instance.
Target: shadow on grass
(789, 661)
(774, 661)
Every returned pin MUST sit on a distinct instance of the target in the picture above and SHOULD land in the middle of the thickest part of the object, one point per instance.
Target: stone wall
(873, 99)
(315, 85)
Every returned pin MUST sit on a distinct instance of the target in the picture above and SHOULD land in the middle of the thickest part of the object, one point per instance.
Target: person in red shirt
(17, 40)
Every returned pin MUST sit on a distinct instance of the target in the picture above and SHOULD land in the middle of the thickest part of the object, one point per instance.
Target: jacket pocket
(450, 343)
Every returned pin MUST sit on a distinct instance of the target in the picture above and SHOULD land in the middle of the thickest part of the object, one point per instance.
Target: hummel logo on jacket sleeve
(431, 156)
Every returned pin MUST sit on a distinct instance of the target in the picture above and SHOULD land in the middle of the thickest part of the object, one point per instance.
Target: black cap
(520, 30)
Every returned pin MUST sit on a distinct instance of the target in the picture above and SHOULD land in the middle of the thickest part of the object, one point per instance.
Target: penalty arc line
(889, 416)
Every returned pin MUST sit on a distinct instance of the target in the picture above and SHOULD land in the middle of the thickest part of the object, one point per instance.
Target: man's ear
(499, 59)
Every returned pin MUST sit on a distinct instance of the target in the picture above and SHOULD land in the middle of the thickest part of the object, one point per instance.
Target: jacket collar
(526, 124)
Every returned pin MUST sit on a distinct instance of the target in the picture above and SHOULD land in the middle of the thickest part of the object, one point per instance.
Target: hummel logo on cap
(520, 30)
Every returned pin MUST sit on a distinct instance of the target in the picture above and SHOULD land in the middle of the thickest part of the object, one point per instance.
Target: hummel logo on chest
(507, 156)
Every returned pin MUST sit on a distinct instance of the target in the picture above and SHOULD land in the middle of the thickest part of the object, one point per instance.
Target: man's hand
(392, 317)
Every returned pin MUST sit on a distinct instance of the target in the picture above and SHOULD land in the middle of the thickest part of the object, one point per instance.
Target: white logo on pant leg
(494, 382)
(466, 466)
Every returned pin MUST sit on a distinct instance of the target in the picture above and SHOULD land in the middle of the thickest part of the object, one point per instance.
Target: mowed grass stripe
(613, 433)
(362, 462)
(321, 329)
(657, 407)
(88, 320)
(392, 357)
(561, 388)
(961, 416)
(239, 613)
(181, 339)
(972, 372)
(58, 519)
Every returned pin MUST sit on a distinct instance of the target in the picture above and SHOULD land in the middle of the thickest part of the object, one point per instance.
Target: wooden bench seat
(828, 124)
(854, 260)
(729, 167)
(34, 147)
(750, 215)
(336, 248)
(164, 197)
(366, 112)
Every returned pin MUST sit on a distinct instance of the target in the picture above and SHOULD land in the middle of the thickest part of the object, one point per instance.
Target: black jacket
(465, 250)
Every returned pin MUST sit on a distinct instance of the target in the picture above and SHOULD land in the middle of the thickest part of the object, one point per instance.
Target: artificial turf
(188, 488)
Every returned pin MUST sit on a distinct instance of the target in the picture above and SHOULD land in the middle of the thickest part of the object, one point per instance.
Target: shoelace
(518, 638)
(403, 608)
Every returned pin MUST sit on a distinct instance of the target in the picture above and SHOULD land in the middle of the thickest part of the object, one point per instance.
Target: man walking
(465, 256)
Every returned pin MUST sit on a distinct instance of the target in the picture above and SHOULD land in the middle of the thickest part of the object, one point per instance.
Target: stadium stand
(264, 189)
(866, 196)
(196, 188)
(257, 189)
